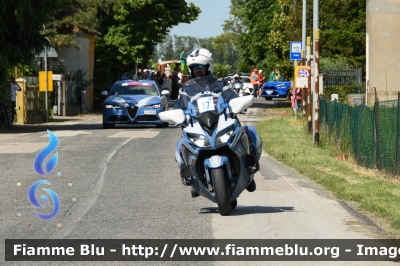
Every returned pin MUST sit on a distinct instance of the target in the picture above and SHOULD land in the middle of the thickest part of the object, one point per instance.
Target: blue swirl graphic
(44, 153)
(32, 198)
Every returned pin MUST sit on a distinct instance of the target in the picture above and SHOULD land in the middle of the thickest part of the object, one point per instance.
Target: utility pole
(315, 27)
(316, 103)
(45, 78)
(309, 84)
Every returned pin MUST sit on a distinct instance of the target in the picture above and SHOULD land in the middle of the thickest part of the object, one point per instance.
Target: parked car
(134, 102)
(276, 89)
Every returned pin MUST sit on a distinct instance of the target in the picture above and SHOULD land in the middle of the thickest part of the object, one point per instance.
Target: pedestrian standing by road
(147, 74)
(272, 76)
(158, 79)
(14, 87)
(277, 74)
(180, 77)
(139, 74)
(183, 56)
(254, 81)
(260, 82)
(175, 84)
(164, 85)
(296, 99)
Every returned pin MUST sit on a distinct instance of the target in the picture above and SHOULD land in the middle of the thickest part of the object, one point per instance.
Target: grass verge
(288, 141)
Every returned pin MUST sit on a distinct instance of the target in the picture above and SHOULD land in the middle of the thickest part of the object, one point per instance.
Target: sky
(209, 22)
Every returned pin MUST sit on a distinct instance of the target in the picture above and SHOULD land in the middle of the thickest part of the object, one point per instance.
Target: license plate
(150, 112)
(268, 92)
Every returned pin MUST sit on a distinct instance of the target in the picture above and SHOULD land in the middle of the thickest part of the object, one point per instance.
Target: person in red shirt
(260, 82)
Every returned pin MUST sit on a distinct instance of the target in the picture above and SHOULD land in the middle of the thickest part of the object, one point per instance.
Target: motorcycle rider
(236, 79)
(201, 65)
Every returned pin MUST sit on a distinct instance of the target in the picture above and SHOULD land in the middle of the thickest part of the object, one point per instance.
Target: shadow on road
(243, 210)
(18, 129)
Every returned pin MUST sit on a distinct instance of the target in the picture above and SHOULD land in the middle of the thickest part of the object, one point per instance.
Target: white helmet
(200, 56)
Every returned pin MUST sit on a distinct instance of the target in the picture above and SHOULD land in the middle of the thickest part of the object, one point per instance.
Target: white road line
(86, 205)
(284, 178)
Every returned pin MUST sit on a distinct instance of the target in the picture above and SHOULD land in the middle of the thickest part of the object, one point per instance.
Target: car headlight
(154, 106)
(108, 106)
(199, 140)
(224, 135)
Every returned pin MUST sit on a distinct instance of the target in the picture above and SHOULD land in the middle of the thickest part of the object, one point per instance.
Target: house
(383, 68)
(82, 58)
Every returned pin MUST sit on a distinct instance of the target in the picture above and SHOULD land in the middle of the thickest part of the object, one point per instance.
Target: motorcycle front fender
(213, 162)
(216, 162)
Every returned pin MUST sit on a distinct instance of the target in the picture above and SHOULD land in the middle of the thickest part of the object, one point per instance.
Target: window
(135, 90)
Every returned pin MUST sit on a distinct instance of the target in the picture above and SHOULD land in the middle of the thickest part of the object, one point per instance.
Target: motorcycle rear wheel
(221, 191)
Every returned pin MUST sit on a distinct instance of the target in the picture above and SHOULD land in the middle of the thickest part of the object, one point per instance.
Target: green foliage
(338, 63)
(343, 31)
(225, 51)
(221, 70)
(221, 47)
(21, 25)
(73, 16)
(42, 104)
(79, 77)
(320, 163)
(343, 91)
(132, 29)
(263, 40)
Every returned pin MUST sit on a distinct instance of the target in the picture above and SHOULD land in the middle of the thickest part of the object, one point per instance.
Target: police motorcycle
(239, 88)
(217, 156)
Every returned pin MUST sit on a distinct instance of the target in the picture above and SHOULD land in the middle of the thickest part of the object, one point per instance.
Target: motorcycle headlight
(154, 106)
(224, 135)
(108, 106)
(199, 140)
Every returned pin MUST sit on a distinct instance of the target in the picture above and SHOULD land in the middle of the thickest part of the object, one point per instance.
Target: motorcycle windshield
(202, 95)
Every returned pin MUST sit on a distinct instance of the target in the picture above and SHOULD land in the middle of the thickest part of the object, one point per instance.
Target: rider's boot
(252, 186)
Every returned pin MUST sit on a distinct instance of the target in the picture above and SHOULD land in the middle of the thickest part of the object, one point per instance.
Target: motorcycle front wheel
(221, 191)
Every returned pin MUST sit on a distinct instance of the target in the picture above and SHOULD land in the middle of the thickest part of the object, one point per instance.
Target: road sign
(295, 50)
(301, 76)
(42, 80)
(50, 51)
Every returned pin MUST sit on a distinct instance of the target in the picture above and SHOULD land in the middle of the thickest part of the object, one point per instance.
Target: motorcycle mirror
(241, 103)
(176, 115)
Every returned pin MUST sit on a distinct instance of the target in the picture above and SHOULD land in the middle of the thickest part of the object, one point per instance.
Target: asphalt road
(123, 183)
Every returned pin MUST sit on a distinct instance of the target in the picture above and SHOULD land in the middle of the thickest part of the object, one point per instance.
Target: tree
(225, 50)
(343, 31)
(21, 25)
(222, 48)
(167, 49)
(252, 31)
(221, 70)
(132, 29)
